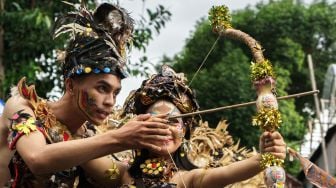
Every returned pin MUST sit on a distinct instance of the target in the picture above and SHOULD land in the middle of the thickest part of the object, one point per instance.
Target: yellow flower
(26, 126)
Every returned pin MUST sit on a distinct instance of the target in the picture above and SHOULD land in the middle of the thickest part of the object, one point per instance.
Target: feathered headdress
(167, 85)
(98, 40)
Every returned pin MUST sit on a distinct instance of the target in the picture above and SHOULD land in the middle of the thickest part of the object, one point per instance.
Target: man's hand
(272, 142)
(144, 131)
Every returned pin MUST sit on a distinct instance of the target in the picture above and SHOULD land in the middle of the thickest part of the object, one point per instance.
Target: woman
(166, 93)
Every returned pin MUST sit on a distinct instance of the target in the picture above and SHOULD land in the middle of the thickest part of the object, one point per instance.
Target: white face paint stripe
(163, 106)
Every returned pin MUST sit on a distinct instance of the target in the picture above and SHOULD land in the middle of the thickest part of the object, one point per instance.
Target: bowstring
(178, 172)
(204, 60)
(199, 68)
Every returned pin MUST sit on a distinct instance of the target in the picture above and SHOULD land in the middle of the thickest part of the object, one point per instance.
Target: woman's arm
(242, 170)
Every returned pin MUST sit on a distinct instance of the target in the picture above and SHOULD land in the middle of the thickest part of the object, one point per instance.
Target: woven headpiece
(166, 85)
(98, 40)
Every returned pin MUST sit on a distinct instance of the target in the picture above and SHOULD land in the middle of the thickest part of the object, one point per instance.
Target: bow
(268, 117)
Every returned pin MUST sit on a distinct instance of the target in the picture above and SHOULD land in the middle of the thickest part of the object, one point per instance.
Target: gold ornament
(153, 167)
(113, 172)
(268, 160)
(267, 119)
(220, 18)
(261, 70)
(87, 69)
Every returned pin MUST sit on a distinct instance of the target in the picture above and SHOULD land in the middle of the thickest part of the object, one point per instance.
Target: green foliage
(29, 47)
(27, 36)
(144, 34)
(288, 31)
(293, 167)
(155, 22)
(216, 84)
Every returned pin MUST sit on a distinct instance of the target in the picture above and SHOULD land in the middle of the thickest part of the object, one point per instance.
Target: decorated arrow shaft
(212, 110)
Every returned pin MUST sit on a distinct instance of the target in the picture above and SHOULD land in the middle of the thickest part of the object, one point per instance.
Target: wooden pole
(318, 112)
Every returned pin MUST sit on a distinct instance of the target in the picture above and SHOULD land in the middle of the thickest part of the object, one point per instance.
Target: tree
(29, 49)
(287, 23)
(2, 72)
(288, 31)
(225, 80)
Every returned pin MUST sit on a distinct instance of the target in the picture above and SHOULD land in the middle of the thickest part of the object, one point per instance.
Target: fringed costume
(97, 45)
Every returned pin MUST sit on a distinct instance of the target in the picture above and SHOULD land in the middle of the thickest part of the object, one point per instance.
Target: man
(55, 143)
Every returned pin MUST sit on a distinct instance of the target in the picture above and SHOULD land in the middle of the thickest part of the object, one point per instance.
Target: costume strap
(28, 92)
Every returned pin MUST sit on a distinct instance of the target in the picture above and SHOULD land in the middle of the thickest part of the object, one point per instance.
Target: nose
(110, 100)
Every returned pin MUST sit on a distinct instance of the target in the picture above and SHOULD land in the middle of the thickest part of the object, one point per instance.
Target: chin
(97, 121)
(171, 148)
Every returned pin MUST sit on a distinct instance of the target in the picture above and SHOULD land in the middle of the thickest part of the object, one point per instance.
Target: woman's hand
(272, 142)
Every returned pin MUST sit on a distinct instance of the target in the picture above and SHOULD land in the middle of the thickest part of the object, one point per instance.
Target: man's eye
(116, 93)
(101, 89)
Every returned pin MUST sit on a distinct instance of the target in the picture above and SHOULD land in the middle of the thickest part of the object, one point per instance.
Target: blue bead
(107, 70)
(96, 70)
(79, 71)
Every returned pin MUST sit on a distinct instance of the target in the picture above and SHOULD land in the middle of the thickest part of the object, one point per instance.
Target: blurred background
(178, 33)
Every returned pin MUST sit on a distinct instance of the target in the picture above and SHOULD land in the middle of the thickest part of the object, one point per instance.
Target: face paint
(87, 104)
(177, 127)
(161, 107)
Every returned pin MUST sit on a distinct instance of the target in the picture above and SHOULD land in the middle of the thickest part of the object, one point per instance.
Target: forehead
(163, 106)
(107, 79)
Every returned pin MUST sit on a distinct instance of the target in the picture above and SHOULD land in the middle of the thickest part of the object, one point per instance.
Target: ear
(69, 86)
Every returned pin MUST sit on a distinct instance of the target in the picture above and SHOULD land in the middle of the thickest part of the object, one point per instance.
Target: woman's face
(178, 131)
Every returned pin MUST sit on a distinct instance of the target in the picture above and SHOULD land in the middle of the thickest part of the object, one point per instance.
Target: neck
(163, 157)
(65, 111)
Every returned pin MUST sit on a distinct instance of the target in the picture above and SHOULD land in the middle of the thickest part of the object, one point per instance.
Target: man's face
(96, 95)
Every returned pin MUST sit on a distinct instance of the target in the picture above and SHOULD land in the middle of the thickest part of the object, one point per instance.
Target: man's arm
(44, 158)
(5, 154)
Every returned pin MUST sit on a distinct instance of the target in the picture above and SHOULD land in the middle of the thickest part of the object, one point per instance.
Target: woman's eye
(173, 121)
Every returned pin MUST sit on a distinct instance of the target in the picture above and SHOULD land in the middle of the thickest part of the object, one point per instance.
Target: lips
(169, 140)
(102, 114)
